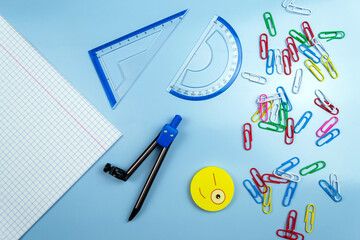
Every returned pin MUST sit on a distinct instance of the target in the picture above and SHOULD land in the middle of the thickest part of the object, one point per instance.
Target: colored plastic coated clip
(288, 176)
(308, 32)
(268, 204)
(309, 53)
(290, 235)
(271, 126)
(264, 46)
(274, 111)
(254, 78)
(286, 61)
(284, 98)
(319, 47)
(291, 221)
(333, 182)
(263, 103)
(271, 178)
(298, 9)
(325, 103)
(306, 116)
(289, 138)
(312, 212)
(292, 48)
(285, 3)
(269, 98)
(247, 136)
(289, 194)
(278, 61)
(287, 165)
(318, 166)
(328, 137)
(257, 113)
(329, 66)
(330, 35)
(313, 65)
(298, 36)
(283, 115)
(257, 177)
(325, 128)
(270, 25)
(297, 81)
(270, 62)
(256, 195)
(335, 195)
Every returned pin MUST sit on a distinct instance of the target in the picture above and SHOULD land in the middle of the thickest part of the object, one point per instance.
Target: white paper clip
(297, 9)
(270, 98)
(285, 3)
(288, 176)
(278, 61)
(274, 111)
(335, 184)
(319, 47)
(254, 78)
(297, 81)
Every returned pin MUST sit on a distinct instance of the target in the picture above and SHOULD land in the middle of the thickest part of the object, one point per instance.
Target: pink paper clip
(308, 32)
(257, 177)
(247, 136)
(321, 132)
(287, 63)
(264, 41)
(289, 138)
(263, 104)
(290, 42)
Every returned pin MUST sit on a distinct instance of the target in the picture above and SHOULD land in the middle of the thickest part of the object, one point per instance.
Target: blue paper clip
(283, 95)
(291, 195)
(307, 119)
(257, 193)
(333, 134)
(284, 168)
(330, 190)
(272, 64)
(309, 53)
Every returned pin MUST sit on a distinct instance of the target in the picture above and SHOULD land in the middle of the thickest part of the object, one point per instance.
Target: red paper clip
(291, 235)
(264, 54)
(247, 139)
(308, 32)
(271, 178)
(289, 124)
(293, 49)
(291, 227)
(287, 63)
(318, 103)
(257, 175)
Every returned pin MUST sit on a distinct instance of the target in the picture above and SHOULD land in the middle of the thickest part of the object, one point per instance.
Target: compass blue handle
(175, 122)
(169, 132)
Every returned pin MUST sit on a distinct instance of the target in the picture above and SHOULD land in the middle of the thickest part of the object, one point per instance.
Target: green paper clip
(299, 37)
(277, 127)
(330, 35)
(283, 115)
(317, 168)
(269, 21)
(271, 126)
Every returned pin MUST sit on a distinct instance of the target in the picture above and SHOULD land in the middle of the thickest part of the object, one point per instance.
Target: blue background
(97, 206)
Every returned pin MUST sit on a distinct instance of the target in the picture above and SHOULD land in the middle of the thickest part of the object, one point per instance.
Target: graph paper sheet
(50, 135)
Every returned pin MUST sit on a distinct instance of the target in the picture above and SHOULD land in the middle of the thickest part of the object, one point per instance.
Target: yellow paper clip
(307, 218)
(313, 65)
(329, 66)
(258, 113)
(268, 204)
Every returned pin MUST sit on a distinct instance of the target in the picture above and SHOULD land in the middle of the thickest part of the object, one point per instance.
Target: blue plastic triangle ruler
(212, 66)
(119, 63)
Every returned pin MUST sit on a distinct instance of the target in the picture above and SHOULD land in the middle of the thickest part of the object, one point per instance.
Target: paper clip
(329, 66)
(333, 182)
(270, 62)
(256, 195)
(284, 98)
(291, 235)
(308, 32)
(298, 36)
(283, 115)
(268, 204)
(328, 137)
(257, 177)
(318, 166)
(271, 178)
(270, 98)
(258, 113)
(285, 3)
(330, 35)
(309, 53)
(325, 103)
(292, 48)
(288, 176)
(274, 111)
(298, 9)
(286, 61)
(313, 65)
(297, 81)
(269, 22)
(284, 166)
(291, 221)
(319, 47)
(335, 195)
(312, 212)
(289, 192)
(278, 61)
(289, 138)
(264, 41)
(306, 116)
(275, 127)
(254, 78)
(261, 106)
(325, 128)
(247, 138)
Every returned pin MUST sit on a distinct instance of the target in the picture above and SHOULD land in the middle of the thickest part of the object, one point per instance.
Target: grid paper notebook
(50, 135)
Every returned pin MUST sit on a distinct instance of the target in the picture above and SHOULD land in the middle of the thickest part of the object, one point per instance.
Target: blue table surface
(98, 206)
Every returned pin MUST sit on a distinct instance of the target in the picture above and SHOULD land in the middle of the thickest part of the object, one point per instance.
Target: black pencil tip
(133, 214)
